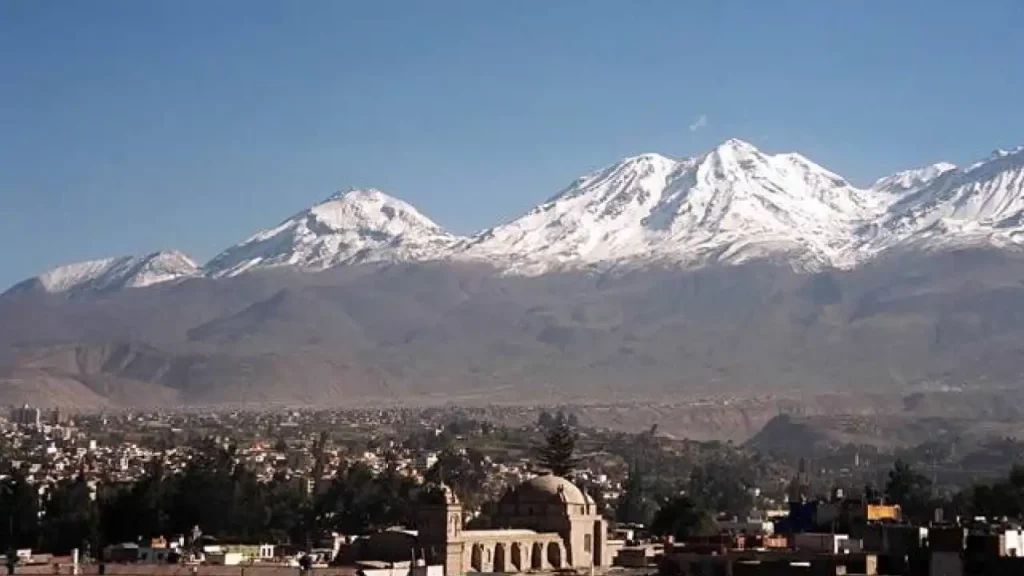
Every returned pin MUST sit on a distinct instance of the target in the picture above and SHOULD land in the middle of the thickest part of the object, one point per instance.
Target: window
(587, 542)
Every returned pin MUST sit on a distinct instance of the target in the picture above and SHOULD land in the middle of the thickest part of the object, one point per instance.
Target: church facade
(545, 523)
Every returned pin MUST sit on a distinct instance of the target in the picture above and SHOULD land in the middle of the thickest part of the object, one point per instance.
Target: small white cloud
(700, 122)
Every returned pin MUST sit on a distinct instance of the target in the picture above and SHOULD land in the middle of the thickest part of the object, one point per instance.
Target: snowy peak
(910, 180)
(594, 218)
(730, 204)
(734, 149)
(347, 228)
(749, 171)
(983, 200)
(111, 274)
(370, 208)
(632, 173)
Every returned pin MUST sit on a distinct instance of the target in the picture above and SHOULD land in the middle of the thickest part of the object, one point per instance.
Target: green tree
(464, 472)
(635, 504)
(719, 488)
(545, 420)
(139, 509)
(71, 517)
(1003, 498)
(682, 517)
(19, 512)
(359, 501)
(558, 454)
(292, 516)
(207, 491)
(910, 489)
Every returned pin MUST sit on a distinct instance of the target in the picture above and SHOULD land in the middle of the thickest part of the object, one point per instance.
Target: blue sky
(134, 126)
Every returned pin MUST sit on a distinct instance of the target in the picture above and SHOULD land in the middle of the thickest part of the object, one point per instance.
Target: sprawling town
(455, 491)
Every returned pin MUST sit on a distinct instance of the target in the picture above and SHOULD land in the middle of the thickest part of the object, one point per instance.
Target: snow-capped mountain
(732, 204)
(910, 180)
(353, 227)
(113, 274)
(981, 204)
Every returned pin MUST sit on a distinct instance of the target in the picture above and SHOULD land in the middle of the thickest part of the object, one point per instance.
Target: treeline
(686, 507)
(689, 508)
(225, 499)
(914, 492)
(228, 501)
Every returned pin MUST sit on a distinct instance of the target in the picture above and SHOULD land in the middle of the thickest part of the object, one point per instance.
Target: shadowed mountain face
(423, 333)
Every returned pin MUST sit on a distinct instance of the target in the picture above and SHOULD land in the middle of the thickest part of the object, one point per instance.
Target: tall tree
(140, 509)
(635, 504)
(71, 517)
(559, 451)
(1003, 498)
(360, 501)
(719, 488)
(910, 489)
(466, 474)
(682, 517)
(19, 512)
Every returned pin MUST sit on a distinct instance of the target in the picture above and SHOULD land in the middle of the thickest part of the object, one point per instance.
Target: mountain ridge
(731, 204)
(453, 331)
(106, 274)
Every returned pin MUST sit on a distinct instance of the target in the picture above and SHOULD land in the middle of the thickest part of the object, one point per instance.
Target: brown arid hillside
(436, 333)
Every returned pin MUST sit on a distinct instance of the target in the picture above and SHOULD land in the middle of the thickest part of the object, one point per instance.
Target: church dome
(548, 489)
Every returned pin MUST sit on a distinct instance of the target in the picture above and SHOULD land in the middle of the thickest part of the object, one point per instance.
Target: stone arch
(555, 555)
(477, 558)
(518, 562)
(537, 556)
(499, 558)
(599, 552)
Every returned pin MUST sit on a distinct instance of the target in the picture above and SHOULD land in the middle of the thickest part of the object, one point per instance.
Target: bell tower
(439, 523)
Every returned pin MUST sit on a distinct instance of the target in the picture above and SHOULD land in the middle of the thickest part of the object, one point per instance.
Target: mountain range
(731, 273)
(732, 204)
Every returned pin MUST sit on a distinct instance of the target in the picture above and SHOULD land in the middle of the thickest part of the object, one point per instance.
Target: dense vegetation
(224, 499)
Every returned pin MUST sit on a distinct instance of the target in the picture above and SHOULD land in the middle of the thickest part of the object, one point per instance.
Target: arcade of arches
(545, 523)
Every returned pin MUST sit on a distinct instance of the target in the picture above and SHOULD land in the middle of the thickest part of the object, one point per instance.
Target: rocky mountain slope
(434, 333)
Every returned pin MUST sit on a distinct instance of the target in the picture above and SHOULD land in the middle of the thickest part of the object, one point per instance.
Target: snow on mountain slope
(910, 180)
(597, 217)
(980, 204)
(732, 204)
(113, 274)
(348, 228)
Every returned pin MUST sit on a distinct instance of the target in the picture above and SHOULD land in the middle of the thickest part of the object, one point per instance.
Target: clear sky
(132, 126)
